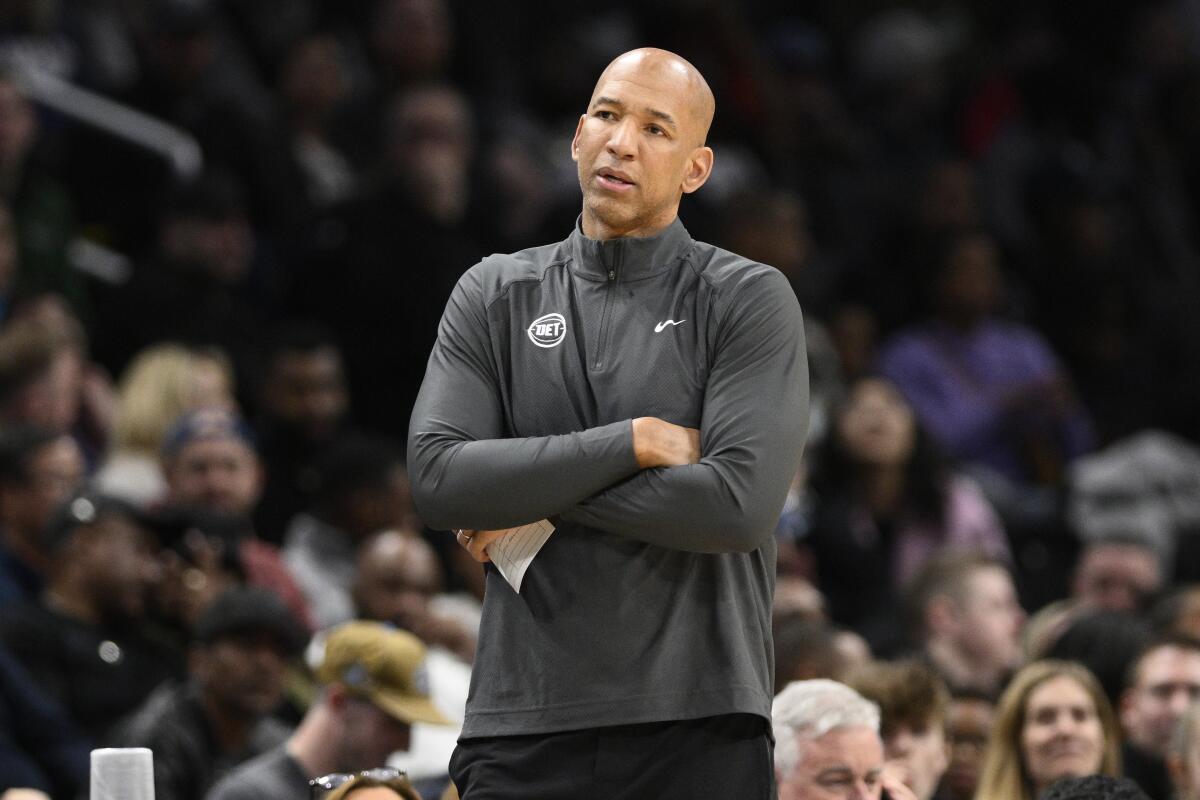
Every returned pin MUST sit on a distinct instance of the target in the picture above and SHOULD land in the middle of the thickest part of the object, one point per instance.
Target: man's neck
(595, 228)
(314, 742)
(960, 670)
(230, 730)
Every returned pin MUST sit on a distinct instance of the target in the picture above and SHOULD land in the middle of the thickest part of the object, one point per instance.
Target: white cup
(122, 773)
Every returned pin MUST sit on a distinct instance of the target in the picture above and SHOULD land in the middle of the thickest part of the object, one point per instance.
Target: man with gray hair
(827, 744)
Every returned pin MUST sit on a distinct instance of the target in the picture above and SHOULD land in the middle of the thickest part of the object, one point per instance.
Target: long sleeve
(464, 472)
(752, 437)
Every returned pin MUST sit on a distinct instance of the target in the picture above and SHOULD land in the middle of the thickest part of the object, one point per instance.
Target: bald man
(647, 394)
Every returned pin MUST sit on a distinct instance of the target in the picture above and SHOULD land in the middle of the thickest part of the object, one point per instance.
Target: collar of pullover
(628, 258)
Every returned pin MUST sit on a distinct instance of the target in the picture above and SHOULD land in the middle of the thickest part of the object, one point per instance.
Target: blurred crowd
(988, 211)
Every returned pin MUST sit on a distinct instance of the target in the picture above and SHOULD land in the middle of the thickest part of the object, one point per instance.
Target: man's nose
(622, 142)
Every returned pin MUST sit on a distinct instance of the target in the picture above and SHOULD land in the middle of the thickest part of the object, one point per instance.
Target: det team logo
(547, 331)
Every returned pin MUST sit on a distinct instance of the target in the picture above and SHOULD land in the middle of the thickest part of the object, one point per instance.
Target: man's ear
(575, 138)
(699, 167)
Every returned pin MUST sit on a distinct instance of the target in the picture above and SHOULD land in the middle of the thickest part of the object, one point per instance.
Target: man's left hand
(476, 542)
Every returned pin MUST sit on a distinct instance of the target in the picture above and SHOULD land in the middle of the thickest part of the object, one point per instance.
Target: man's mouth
(615, 180)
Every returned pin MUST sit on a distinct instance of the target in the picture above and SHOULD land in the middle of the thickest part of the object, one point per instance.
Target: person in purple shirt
(990, 391)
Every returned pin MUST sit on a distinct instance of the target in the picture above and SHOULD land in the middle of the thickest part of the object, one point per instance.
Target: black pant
(729, 756)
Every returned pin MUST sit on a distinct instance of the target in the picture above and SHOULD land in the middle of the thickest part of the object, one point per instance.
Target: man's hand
(476, 542)
(657, 443)
(893, 785)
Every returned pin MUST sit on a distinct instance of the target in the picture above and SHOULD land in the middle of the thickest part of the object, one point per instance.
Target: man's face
(370, 736)
(844, 763)
(918, 753)
(639, 147)
(124, 570)
(220, 474)
(307, 391)
(968, 725)
(991, 619)
(243, 672)
(54, 473)
(1117, 577)
(397, 574)
(1167, 682)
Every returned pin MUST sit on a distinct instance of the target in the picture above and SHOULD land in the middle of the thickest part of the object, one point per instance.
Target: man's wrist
(644, 439)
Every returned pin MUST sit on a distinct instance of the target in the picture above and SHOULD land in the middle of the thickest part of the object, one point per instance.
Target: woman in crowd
(886, 503)
(1053, 722)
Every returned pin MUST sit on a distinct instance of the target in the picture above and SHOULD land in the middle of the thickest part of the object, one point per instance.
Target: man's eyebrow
(832, 772)
(654, 112)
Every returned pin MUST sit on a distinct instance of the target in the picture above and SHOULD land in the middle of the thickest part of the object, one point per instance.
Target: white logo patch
(659, 327)
(547, 331)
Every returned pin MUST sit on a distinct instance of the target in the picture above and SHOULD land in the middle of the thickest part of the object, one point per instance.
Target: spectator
(1053, 722)
(366, 787)
(1164, 680)
(161, 384)
(1094, 787)
(887, 504)
(39, 469)
(1117, 574)
(41, 374)
(86, 642)
(966, 619)
(990, 392)
(201, 728)
(969, 720)
(807, 648)
(362, 489)
(303, 400)
(827, 742)
(1183, 757)
(1179, 612)
(42, 210)
(1105, 642)
(373, 690)
(39, 745)
(912, 704)
(211, 465)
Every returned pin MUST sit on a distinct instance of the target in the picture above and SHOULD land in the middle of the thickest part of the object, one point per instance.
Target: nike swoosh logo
(659, 327)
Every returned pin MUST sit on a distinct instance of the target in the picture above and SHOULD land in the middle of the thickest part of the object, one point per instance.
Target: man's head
(362, 487)
(430, 145)
(966, 605)
(39, 469)
(826, 742)
(1163, 682)
(641, 145)
(969, 719)
(912, 703)
(41, 372)
(210, 463)
(206, 231)
(397, 574)
(105, 557)
(304, 382)
(241, 644)
(377, 685)
(1117, 574)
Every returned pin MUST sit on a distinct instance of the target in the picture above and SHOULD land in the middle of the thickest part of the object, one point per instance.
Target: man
(211, 466)
(1163, 681)
(912, 703)
(969, 720)
(827, 744)
(373, 689)
(86, 641)
(201, 728)
(1117, 574)
(303, 402)
(648, 392)
(39, 468)
(967, 621)
(360, 488)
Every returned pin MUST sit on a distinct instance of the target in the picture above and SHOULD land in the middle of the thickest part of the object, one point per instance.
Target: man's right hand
(658, 443)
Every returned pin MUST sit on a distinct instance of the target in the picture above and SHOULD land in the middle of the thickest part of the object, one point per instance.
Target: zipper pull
(612, 274)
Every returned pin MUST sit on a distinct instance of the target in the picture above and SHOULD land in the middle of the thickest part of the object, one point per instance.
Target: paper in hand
(513, 553)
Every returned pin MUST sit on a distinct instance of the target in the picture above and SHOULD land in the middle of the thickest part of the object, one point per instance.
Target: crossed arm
(643, 478)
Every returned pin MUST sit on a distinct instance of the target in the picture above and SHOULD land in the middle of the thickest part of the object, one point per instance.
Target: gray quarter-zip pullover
(652, 600)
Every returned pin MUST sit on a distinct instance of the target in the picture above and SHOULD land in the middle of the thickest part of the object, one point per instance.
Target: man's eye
(602, 114)
(657, 131)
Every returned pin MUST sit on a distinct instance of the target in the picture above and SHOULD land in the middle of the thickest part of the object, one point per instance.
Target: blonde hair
(1004, 775)
(156, 389)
